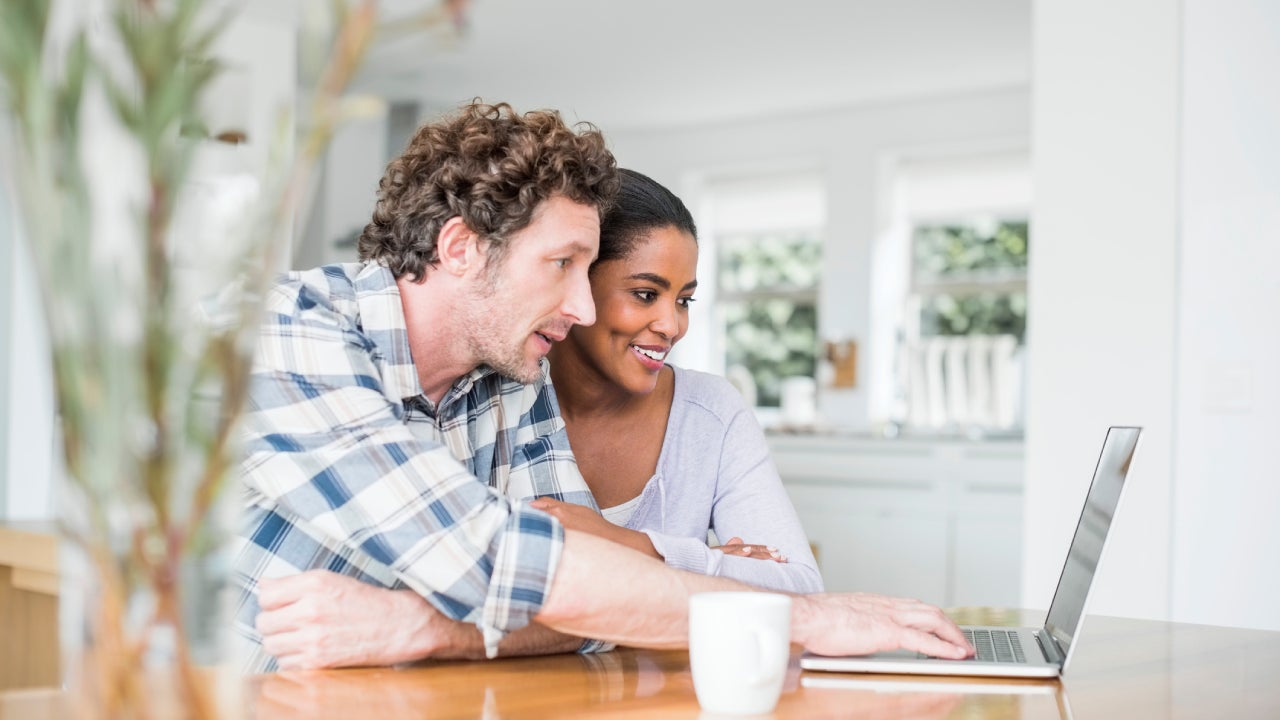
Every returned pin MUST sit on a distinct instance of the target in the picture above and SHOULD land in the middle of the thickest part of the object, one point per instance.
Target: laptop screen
(1086, 547)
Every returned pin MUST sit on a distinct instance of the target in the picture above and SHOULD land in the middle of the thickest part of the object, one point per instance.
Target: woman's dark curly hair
(490, 166)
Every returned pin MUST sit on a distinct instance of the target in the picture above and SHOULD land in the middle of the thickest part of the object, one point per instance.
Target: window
(768, 286)
(970, 278)
(767, 235)
(958, 293)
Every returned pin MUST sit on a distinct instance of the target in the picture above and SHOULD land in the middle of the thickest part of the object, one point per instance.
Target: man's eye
(563, 263)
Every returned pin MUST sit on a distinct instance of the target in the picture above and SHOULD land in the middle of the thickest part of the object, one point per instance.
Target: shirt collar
(382, 319)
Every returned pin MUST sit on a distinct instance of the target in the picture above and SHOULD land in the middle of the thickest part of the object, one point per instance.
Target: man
(385, 442)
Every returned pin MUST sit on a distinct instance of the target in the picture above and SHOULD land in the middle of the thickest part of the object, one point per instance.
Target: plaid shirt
(350, 468)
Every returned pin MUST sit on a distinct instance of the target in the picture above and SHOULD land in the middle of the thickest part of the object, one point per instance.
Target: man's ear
(458, 247)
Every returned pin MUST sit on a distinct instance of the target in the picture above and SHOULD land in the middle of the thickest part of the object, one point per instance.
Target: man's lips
(552, 334)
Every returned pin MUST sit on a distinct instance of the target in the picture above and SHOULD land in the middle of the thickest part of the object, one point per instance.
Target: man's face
(513, 311)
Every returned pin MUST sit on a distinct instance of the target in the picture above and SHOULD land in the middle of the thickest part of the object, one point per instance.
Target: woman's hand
(584, 519)
(576, 517)
(734, 546)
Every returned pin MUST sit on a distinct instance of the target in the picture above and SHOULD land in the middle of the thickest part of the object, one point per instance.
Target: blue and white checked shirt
(350, 468)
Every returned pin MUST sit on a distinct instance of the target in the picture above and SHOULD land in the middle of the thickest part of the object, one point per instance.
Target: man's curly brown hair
(490, 166)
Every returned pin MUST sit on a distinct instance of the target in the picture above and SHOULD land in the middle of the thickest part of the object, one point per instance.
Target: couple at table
(417, 488)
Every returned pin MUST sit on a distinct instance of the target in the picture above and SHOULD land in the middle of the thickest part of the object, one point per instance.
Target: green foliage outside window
(953, 263)
(768, 285)
(986, 314)
(773, 339)
(943, 251)
(770, 262)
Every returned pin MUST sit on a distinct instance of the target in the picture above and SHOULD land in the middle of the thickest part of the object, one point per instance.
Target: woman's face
(642, 309)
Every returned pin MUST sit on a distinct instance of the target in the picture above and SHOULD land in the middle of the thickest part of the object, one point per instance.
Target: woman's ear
(458, 247)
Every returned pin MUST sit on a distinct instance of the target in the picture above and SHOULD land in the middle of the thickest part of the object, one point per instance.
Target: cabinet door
(885, 540)
(988, 547)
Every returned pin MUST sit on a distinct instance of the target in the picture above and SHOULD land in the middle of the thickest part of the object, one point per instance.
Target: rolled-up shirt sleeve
(329, 454)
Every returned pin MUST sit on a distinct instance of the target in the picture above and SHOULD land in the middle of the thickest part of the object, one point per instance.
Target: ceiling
(662, 63)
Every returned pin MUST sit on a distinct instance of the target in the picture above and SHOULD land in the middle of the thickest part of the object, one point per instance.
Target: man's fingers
(282, 645)
(276, 593)
(932, 645)
(296, 661)
(274, 622)
(929, 619)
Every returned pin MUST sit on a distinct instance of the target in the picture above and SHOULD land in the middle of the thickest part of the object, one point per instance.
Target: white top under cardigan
(715, 473)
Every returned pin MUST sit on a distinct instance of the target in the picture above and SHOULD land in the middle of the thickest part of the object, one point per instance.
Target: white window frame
(1002, 282)
(713, 235)
(893, 282)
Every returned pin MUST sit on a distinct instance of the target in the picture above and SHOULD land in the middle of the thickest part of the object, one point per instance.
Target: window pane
(772, 339)
(984, 314)
(769, 261)
(961, 250)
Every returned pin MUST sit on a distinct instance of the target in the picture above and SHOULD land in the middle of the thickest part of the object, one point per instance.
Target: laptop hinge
(1049, 647)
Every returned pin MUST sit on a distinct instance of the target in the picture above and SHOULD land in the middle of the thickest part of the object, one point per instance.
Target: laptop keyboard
(995, 645)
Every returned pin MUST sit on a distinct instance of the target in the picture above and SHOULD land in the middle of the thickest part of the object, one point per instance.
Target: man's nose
(578, 305)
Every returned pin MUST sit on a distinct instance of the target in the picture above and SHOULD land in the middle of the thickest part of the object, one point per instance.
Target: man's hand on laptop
(862, 623)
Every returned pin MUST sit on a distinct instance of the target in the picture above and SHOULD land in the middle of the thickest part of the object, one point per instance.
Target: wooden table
(1123, 669)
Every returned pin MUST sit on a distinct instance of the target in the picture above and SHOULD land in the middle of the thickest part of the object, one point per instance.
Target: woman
(668, 453)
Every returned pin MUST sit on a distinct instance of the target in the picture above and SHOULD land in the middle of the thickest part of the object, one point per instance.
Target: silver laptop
(1028, 652)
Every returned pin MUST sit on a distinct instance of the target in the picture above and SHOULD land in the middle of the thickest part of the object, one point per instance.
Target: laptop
(1027, 652)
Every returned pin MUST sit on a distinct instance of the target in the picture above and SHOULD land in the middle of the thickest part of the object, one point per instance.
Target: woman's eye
(685, 301)
(562, 263)
(645, 296)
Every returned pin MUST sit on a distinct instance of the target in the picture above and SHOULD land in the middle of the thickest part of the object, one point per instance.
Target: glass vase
(144, 622)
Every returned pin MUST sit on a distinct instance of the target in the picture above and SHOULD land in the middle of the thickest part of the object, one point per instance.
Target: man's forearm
(445, 639)
(466, 643)
(603, 590)
(534, 639)
(594, 594)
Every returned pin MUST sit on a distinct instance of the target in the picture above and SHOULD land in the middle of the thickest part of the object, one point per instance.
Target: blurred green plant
(148, 397)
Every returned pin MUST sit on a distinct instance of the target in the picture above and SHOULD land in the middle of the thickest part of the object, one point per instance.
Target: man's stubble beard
(486, 324)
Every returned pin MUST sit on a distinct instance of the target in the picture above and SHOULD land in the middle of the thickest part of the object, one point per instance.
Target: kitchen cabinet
(935, 519)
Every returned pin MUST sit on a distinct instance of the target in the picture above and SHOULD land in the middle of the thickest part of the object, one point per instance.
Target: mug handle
(768, 654)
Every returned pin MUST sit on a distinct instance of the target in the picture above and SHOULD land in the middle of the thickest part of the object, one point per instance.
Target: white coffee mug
(739, 646)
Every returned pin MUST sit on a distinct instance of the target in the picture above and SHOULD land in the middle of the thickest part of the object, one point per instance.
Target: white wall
(1226, 478)
(8, 259)
(847, 146)
(31, 460)
(1154, 299)
(1102, 286)
(354, 165)
(26, 387)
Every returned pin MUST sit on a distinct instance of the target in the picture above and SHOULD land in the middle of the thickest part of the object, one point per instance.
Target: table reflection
(882, 697)
(501, 688)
